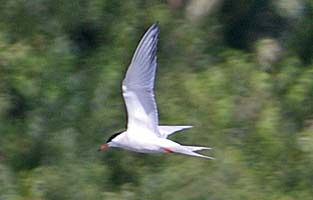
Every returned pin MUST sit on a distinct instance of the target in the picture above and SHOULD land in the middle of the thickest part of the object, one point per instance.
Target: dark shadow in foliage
(246, 21)
(302, 39)
(119, 172)
(85, 37)
(19, 105)
(27, 155)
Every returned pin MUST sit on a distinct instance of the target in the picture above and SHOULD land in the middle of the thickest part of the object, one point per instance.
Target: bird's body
(144, 134)
(143, 142)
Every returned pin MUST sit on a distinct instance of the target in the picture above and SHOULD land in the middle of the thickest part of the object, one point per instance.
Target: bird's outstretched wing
(138, 84)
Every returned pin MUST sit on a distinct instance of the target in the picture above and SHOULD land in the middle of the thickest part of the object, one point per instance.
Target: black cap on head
(113, 136)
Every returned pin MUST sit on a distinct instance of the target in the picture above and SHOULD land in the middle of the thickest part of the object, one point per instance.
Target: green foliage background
(240, 71)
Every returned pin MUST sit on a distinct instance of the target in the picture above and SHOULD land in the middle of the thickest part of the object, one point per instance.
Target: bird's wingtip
(156, 25)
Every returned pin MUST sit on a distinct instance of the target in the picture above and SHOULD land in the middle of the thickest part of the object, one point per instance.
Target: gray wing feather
(138, 84)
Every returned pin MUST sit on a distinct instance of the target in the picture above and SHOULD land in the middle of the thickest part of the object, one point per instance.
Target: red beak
(104, 146)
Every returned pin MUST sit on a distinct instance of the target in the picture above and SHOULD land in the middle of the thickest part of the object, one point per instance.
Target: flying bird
(144, 134)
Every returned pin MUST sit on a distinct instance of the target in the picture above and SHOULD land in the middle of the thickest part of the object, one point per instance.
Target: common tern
(144, 134)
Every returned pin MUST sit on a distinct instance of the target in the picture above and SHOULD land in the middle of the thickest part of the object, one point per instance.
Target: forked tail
(196, 148)
(190, 150)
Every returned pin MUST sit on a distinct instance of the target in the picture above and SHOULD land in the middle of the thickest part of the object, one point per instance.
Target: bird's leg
(168, 150)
